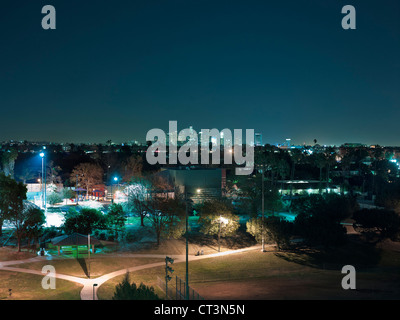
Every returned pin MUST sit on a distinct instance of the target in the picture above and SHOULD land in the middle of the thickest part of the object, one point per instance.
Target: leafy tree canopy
(83, 221)
(216, 216)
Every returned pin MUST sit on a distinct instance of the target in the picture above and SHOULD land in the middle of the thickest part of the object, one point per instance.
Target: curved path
(89, 292)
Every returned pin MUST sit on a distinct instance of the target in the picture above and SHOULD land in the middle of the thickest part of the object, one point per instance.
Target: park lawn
(28, 287)
(98, 265)
(275, 275)
(219, 269)
(11, 253)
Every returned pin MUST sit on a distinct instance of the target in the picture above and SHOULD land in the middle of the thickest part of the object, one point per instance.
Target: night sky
(116, 69)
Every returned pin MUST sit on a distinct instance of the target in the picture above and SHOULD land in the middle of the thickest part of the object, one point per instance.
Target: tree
(27, 221)
(216, 218)
(66, 194)
(279, 230)
(54, 198)
(8, 161)
(319, 217)
(319, 161)
(297, 157)
(88, 175)
(272, 201)
(248, 191)
(26, 173)
(83, 221)
(126, 290)
(330, 157)
(53, 173)
(166, 215)
(12, 196)
(388, 196)
(274, 229)
(137, 193)
(116, 218)
(141, 191)
(133, 167)
(29, 224)
(385, 224)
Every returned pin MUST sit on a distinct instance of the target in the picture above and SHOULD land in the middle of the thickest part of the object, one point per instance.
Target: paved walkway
(89, 292)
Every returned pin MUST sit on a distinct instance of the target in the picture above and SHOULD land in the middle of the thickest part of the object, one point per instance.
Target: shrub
(129, 291)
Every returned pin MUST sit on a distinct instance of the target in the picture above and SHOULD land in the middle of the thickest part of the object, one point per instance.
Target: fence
(177, 290)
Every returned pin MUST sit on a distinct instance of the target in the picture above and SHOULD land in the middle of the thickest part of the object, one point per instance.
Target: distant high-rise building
(258, 139)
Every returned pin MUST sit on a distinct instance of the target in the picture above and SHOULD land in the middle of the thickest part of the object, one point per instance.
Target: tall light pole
(187, 246)
(94, 295)
(116, 180)
(221, 221)
(262, 212)
(76, 190)
(89, 255)
(42, 155)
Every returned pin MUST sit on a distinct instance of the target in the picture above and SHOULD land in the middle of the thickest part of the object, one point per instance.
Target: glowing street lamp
(112, 193)
(222, 220)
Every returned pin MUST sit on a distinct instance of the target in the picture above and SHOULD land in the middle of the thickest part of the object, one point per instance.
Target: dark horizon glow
(116, 69)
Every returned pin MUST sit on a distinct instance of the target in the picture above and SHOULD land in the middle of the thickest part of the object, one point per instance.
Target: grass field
(301, 273)
(28, 287)
(296, 275)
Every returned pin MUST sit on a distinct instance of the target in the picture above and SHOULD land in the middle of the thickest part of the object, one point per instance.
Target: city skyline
(116, 70)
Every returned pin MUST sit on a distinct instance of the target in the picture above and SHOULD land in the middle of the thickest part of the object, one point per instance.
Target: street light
(222, 220)
(94, 296)
(262, 211)
(89, 255)
(112, 193)
(42, 155)
(117, 181)
(187, 244)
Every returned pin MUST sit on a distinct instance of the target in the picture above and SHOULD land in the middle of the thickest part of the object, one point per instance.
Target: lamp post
(116, 179)
(187, 245)
(89, 256)
(262, 212)
(76, 190)
(187, 240)
(94, 295)
(42, 155)
(221, 221)
(112, 194)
